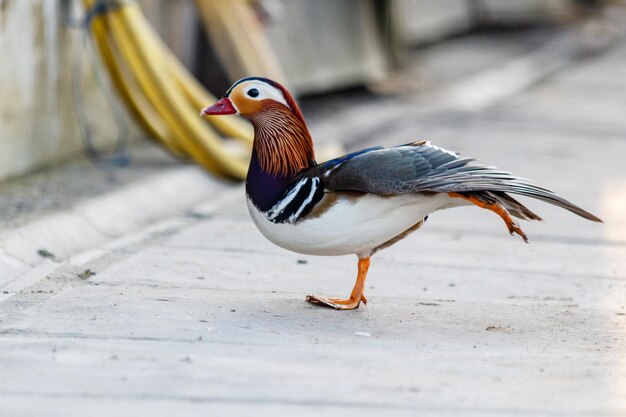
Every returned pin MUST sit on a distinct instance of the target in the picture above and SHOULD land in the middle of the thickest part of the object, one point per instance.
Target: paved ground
(63, 186)
(199, 315)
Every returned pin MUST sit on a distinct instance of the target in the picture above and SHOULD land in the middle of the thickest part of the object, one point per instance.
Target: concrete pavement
(197, 314)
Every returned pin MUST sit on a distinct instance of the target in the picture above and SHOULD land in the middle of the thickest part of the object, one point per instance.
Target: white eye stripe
(266, 91)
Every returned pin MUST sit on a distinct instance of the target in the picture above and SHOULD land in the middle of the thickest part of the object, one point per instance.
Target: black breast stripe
(296, 201)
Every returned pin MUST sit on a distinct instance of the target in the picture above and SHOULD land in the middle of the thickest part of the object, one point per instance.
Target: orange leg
(496, 208)
(357, 292)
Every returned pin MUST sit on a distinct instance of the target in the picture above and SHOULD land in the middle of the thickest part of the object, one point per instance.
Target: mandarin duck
(364, 201)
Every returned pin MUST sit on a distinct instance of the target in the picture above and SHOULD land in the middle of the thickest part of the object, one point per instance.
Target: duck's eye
(253, 92)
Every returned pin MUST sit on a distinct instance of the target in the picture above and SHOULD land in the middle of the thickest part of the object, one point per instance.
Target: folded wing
(422, 167)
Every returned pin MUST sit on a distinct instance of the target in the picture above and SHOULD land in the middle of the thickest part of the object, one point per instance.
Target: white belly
(351, 226)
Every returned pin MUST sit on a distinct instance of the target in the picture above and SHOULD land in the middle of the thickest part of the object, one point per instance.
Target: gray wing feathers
(389, 171)
(514, 207)
(427, 168)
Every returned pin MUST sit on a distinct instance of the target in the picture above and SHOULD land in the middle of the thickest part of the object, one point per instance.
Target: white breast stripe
(305, 203)
(282, 204)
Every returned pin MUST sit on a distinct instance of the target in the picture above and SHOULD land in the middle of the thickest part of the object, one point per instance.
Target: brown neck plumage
(282, 141)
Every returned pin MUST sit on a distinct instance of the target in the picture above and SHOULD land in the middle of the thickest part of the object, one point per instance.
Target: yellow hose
(162, 94)
(131, 95)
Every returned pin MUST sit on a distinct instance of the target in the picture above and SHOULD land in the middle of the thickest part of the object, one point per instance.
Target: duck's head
(282, 142)
(252, 96)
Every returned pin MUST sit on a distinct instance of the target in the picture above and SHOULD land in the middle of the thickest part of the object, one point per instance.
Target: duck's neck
(282, 148)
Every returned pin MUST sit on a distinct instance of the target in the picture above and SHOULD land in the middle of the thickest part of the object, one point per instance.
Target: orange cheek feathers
(245, 106)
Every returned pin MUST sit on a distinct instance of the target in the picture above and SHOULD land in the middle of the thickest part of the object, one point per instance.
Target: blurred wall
(177, 23)
(418, 22)
(327, 44)
(38, 126)
(321, 44)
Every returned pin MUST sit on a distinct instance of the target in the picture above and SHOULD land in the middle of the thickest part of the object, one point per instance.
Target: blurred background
(383, 46)
(131, 276)
(106, 92)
